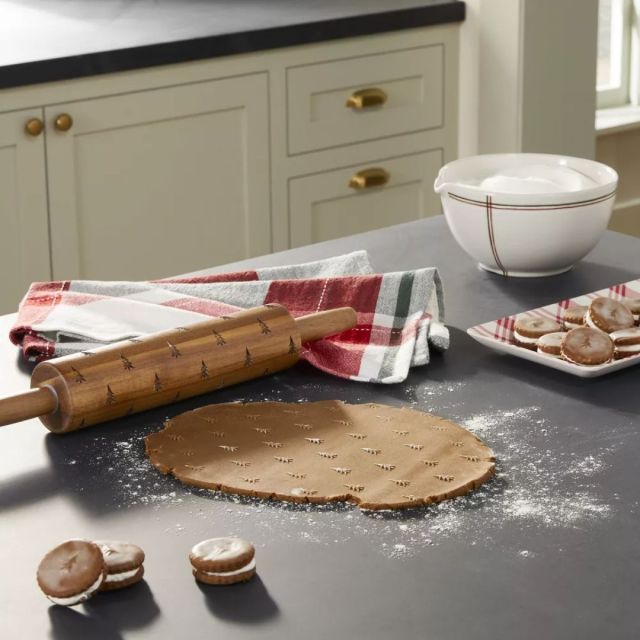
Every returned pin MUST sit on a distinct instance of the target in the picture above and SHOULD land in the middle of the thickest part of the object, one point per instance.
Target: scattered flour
(535, 486)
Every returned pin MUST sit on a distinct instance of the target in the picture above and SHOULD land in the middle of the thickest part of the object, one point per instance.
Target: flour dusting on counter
(536, 486)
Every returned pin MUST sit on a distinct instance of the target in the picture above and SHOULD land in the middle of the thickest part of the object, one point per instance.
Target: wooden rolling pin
(76, 391)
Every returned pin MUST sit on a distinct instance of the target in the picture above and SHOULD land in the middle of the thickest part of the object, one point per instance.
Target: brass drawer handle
(63, 122)
(374, 177)
(34, 126)
(365, 98)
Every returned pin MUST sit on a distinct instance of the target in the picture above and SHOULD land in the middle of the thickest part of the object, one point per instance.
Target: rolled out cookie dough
(377, 456)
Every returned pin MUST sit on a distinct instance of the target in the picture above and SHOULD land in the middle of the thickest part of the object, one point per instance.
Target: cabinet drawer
(323, 206)
(412, 81)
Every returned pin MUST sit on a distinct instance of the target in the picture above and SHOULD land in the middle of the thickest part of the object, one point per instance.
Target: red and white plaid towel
(399, 314)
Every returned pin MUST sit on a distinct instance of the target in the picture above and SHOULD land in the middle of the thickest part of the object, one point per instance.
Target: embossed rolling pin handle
(366, 98)
(130, 376)
(367, 178)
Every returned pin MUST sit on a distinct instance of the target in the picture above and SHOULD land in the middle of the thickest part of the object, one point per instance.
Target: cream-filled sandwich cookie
(633, 304)
(573, 317)
(587, 346)
(123, 561)
(72, 572)
(528, 330)
(626, 343)
(608, 315)
(549, 344)
(223, 561)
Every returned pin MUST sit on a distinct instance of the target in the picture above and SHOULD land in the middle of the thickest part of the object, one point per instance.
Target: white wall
(527, 76)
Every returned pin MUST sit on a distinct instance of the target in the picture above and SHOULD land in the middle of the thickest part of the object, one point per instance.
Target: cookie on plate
(123, 561)
(608, 315)
(549, 344)
(633, 304)
(223, 561)
(573, 317)
(528, 330)
(587, 346)
(626, 343)
(72, 572)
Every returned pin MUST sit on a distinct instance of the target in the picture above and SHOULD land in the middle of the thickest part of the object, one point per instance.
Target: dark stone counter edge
(227, 44)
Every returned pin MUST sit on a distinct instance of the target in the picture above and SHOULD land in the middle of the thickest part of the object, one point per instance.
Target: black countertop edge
(91, 64)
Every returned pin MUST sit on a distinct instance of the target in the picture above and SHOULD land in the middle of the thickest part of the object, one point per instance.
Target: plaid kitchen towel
(399, 314)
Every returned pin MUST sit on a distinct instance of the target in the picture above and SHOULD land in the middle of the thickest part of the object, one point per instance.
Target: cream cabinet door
(160, 182)
(323, 206)
(24, 235)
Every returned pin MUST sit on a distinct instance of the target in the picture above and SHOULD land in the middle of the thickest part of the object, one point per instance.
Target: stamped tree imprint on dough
(444, 478)
(326, 454)
(457, 443)
(385, 467)
(157, 385)
(344, 423)
(252, 416)
(204, 370)
(176, 437)
(400, 483)
(300, 425)
(431, 463)
(216, 434)
(471, 458)
(373, 452)
(400, 433)
(415, 447)
(342, 470)
(273, 445)
(111, 397)
(228, 447)
(300, 491)
(194, 467)
(189, 453)
(292, 347)
(262, 430)
(355, 487)
(250, 480)
(298, 476)
(315, 440)
(240, 463)
(248, 359)
(384, 418)
(281, 459)
(357, 436)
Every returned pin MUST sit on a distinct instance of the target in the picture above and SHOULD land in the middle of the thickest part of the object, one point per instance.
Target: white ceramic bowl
(526, 235)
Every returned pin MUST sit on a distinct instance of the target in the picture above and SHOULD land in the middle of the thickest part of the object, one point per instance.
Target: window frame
(623, 94)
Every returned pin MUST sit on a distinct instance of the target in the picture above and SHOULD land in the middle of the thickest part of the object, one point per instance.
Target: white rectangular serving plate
(498, 334)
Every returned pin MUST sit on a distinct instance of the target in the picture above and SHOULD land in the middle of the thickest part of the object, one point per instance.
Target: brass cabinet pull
(374, 177)
(34, 126)
(364, 98)
(63, 122)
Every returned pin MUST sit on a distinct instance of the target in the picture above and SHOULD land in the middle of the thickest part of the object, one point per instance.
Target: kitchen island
(547, 549)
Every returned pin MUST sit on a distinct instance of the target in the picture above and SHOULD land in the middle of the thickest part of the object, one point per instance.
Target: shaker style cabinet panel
(365, 97)
(24, 234)
(335, 203)
(149, 184)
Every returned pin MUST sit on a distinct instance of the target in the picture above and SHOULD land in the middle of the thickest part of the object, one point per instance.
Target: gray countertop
(548, 549)
(45, 40)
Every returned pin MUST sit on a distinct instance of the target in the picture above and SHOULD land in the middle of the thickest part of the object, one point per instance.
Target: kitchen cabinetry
(148, 183)
(24, 234)
(144, 174)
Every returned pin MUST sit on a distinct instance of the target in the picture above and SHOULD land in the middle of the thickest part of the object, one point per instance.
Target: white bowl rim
(560, 197)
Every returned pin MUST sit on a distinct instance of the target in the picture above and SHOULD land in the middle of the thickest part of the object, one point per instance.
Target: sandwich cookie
(608, 315)
(123, 562)
(587, 346)
(626, 343)
(549, 344)
(223, 561)
(573, 317)
(527, 331)
(633, 304)
(72, 572)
